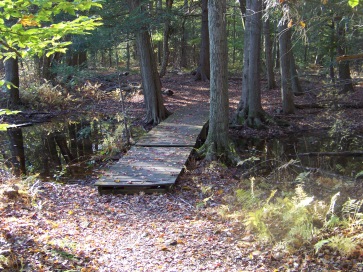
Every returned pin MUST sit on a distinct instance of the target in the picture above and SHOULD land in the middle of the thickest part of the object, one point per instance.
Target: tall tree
(217, 144)
(166, 50)
(271, 82)
(184, 36)
(154, 103)
(343, 66)
(285, 58)
(12, 79)
(203, 70)
(250, 110)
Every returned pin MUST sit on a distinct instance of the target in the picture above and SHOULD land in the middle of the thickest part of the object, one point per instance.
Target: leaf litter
(72, 228)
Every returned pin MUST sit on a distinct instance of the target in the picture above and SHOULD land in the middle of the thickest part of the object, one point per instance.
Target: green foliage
(113, 143)
(351, 219)
(344, 245)
(8, 112)
(4, 126)
(29, 27)
(289, 219)
(353, 3)
(351, 211)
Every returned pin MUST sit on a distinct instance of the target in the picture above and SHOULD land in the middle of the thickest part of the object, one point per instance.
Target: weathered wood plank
(145, 166)
(180, 129)
(156, 161)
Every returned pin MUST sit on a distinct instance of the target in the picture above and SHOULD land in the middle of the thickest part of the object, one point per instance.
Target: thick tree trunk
(271, 83)
(155, 109)
(242, 109)
(250, 110)
(203, 70)
(166, 51)
(217, 144)
(154, 103)
(286, 90)
(12, 76)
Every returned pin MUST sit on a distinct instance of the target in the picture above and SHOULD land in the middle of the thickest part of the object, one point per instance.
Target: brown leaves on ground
(72, 228)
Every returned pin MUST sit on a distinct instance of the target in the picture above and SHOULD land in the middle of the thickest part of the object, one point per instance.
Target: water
(69, 150)
(62, 150)
(266, 155)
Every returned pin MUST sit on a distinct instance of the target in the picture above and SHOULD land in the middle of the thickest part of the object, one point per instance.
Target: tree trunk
(250, 110)
(62, 143)
(184, 37)
(343, 66)
(2, 65)
(183, 45)
(12, 76)
(242, 109)
(154, 103)
(166, 51)
(295, 81)
(271, 83)
(286, 91)
(217, 144)
(203, 70)
(17, 151)
(44, 65)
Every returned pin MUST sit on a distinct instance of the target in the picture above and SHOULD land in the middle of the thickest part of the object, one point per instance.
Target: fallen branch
(343, 153)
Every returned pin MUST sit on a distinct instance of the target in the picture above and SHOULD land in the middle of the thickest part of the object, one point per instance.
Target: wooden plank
(156, 161)
(146, 166)
(180, 129)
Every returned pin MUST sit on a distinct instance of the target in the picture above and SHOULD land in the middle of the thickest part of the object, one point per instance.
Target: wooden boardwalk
(154, 163)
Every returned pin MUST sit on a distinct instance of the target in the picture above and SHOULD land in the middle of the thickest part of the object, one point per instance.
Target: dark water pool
(333, 154)
(61, 150)
(69, 150)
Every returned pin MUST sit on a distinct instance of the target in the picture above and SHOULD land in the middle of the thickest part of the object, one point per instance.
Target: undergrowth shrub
(290, 219)
(45, 95)
(297, 219)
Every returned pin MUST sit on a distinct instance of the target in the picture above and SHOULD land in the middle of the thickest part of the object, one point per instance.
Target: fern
(290, 219)
(246, 199)
(351, 209)
(344, 245)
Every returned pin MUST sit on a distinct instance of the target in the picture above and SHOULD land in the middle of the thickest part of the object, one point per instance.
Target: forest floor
(57, 227)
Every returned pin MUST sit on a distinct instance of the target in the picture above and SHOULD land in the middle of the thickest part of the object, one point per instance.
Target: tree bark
(343, 66)
(184, 37)
(250, 110)
(217, 145)
(166, 51)
(17, 151)
(295, 81)
(271, 83)
(62, 143)
(154, 103)
(286, 90)
(12, 76)
(203, 70)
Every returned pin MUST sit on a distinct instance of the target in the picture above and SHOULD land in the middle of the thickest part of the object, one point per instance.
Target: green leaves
(353, 3)
(8, 112)
(29, 27)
